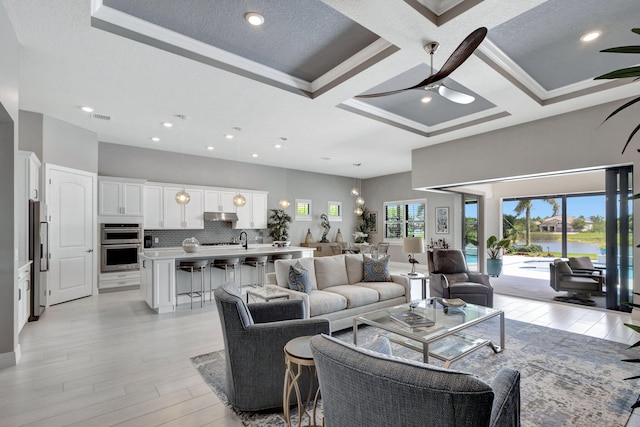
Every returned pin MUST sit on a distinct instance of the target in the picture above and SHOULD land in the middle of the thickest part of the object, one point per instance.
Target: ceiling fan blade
(375, 95)
(461, 54)
(455, 96)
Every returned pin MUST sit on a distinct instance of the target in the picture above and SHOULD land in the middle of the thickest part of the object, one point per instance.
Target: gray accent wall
(163, 166)
(9, 68)
(397, 187)
(69, 145)
(31, 133)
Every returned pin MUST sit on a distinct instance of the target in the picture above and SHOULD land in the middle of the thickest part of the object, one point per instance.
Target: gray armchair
(449, 277)
(366, 388)
(579, 284)
(254, 340)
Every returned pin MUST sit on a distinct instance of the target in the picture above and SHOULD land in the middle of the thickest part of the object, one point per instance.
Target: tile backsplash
(213, 232)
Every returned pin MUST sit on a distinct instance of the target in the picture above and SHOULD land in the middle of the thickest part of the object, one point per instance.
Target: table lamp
(413, 245)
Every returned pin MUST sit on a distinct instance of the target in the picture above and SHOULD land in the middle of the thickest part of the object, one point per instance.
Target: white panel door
(226, 201)
(72, 234)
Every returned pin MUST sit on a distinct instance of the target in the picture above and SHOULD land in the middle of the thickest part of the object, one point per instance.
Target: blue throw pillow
(299, 278)
(376, 270)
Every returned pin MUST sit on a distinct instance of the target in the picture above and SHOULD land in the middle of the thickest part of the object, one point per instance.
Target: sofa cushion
(356, 296)
(386, 290)
(583, 262)
(281, 267)
(448, 262)
(299, 278)
(330, 271)
(354, 268)
(563, 267)
(323, 302)
(457, 277)
(376, 270)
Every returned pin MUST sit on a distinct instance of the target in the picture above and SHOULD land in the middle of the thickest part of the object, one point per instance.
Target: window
(303, 210)
(335, 211)
(404, 219)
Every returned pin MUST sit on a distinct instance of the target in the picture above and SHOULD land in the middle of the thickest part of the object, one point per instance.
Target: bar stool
(192, 267)
(225, 264)
(273, 258)
(260, 264)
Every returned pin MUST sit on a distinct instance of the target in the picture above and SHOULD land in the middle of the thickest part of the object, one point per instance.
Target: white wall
(68, 145)
(9, 67)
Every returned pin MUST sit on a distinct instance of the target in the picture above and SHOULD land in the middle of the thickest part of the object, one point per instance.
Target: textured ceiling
(294, 80)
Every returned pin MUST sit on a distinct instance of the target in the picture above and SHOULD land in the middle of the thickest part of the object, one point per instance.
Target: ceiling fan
(432, 83)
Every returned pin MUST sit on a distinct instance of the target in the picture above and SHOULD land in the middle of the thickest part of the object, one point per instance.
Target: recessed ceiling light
(254, 18)
(277, 146)
(167, 124)
(228, 136)
(426, 99)
(254, 155)
(155, 139)
(210, 148)
(590, 36)
(87, 109)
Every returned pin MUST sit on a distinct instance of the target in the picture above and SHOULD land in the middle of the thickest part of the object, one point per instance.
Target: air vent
(101, 117)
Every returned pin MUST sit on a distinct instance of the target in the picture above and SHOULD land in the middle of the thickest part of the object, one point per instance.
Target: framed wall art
(442, 220)
(373, 220)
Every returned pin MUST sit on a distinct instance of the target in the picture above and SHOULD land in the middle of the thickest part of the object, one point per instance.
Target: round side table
(298, 356)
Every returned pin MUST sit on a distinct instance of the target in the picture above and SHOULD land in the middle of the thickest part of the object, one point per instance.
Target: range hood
(221, 216)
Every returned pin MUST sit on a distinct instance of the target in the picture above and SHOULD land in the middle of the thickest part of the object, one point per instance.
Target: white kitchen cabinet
(153, 207)
(30, 170)
(253, 215)
(158, 284)
(120, 198)
(189, 216)
(23, 297)
(118, 279)
(219, 201)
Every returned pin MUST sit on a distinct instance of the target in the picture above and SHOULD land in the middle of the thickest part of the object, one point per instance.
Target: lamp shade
(413, 245)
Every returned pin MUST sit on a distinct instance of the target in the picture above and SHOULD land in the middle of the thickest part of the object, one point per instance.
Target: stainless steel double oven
(120, 247)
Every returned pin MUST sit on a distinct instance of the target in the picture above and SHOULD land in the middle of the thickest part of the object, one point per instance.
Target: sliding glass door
(470, 227)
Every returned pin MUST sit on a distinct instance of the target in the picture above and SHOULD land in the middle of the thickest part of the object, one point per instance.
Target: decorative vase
(494, 267)
(190, 245)
(309, 238)
(338, 236)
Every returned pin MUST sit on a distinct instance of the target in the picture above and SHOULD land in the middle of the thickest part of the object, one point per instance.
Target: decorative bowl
(190, 245)
(282, 243)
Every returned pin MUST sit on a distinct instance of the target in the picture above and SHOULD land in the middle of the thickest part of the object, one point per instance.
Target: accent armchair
(254, 339)
(579, 284)
(363, 388)
(449, 277)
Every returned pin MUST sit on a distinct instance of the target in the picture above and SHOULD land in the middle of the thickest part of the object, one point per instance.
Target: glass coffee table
(446, 340)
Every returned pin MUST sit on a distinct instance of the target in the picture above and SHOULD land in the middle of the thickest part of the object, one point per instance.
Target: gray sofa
(338, 292)
(362, 388)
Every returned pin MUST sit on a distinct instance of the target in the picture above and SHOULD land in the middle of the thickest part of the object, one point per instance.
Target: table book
(411, 319)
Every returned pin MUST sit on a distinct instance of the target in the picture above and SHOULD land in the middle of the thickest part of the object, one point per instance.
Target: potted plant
(494, 249)
(278, 226)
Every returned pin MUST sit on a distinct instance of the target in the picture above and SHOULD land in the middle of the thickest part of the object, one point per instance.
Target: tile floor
(108, 360)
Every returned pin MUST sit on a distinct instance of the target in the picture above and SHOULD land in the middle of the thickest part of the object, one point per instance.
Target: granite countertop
(213, 251)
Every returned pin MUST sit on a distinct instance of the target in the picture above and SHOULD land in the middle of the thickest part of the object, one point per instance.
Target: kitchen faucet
(246, 239)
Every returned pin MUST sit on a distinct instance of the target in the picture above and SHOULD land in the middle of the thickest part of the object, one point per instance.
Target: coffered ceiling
(293, 81)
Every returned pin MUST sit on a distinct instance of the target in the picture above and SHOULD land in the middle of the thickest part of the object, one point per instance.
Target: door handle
(90, 250)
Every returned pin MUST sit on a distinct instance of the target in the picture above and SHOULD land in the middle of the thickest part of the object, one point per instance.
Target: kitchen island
(158, 273)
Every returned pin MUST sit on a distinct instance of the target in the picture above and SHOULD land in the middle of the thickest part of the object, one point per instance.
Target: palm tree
(525, 206)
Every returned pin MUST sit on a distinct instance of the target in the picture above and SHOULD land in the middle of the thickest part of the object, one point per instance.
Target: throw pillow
(563, 267)
(376, 270)
(299, 278)
(581, 263)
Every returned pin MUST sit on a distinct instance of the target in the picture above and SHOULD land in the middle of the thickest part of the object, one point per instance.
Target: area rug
(567, 379)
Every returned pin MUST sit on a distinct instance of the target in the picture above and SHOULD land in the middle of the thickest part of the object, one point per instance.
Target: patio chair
(579, 285)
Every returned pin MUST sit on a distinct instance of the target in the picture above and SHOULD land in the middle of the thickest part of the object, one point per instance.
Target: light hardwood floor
(108, 360)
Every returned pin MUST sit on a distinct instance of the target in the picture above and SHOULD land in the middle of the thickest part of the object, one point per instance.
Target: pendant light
(355, 191)
(284, 203)
(358, 211)
(182, 197)
(360, 199)
(239, 200)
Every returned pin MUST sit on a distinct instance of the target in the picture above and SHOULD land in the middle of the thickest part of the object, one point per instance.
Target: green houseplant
(494, 249)
(622, 74)
(278, 225)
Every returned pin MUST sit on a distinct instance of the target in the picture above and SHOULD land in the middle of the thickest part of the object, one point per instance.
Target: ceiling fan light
(182, 197)
(284, 203)
(426, 99)
(239, 200)
(590, 36)
(254, 18)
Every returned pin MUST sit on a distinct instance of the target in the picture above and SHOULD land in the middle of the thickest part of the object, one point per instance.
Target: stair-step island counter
(159, 275)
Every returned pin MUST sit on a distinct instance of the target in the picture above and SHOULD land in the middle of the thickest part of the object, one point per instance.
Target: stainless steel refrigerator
(39, 254)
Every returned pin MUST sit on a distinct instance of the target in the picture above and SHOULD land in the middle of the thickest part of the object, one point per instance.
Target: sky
(580, 205)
